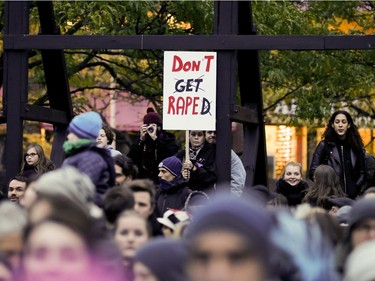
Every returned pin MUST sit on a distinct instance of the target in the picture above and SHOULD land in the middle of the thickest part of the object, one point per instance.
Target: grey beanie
(238, 216)
(363, 209)
(165, 257)
(67, 182)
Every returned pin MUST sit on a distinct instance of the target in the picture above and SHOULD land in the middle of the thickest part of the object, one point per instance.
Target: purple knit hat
(168, 266)
(236, 215)
(172, 164)
(152, 117)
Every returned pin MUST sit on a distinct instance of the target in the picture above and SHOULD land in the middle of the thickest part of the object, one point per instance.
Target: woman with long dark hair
(326, 185)
(342, 149)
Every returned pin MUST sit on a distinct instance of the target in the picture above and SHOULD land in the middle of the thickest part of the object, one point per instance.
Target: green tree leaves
(309, 83)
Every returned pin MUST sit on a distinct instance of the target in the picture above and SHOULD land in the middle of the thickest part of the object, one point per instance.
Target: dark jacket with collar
(204, 177)
(173, 198)
(328, 153)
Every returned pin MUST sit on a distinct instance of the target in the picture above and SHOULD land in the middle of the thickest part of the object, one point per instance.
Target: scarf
(167, 185)
(72, 147)
(193, 152)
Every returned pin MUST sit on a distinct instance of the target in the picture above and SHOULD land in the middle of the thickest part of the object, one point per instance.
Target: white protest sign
(189, 91)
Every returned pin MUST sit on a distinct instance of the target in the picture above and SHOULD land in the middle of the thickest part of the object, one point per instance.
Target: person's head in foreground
(369, 193)
(151, 265)
(229, 241)
(362, 221)
(63, 247)
(13, 221)
(6, 273)
(302, 250)
(360, 265)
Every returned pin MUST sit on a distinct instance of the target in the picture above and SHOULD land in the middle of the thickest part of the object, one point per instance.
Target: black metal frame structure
(234, 39)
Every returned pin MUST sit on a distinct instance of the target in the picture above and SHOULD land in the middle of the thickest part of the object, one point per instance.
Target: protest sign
(189, 91)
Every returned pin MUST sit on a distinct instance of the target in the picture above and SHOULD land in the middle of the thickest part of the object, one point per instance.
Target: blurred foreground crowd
(156, 214)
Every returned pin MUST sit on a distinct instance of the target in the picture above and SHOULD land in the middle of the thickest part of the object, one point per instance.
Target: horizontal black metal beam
(44, 114)
(194, 42)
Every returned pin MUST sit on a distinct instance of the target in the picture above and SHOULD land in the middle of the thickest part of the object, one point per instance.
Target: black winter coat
(98, 164)
(204, 177)
(294, 194)
(147, 155)
(328, 153)
(173, 198)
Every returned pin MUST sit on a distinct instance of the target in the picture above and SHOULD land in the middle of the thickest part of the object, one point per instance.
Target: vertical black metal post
(225, 23)
(56, 79)
(254, 152)
(15, 84)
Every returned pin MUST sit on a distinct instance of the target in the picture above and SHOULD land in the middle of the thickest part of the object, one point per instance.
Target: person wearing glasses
(200, 169)
(35, 161)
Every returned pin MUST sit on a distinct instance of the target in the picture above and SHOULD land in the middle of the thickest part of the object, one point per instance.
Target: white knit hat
(360, 265)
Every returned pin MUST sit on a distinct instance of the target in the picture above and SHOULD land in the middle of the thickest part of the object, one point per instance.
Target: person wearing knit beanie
(84, 154)
(173, 165)
(152, 117)
(361, 263)
(362, 221)
(169, 267)
(154, 145)
(67, 182)
(86, 125)
(229, 240)
(172, 191)
(361, 229)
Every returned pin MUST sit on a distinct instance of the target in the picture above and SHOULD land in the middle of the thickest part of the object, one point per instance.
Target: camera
(150, 129)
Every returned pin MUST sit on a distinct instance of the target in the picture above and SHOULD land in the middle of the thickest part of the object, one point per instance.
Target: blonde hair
(291, 163)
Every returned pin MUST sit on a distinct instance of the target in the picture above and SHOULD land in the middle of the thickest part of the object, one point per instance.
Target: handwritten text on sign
(189, 101)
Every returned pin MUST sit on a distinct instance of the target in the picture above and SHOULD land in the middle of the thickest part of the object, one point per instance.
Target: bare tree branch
(283, 97)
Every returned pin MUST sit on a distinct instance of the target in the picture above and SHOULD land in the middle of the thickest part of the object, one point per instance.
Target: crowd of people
(157, 214)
